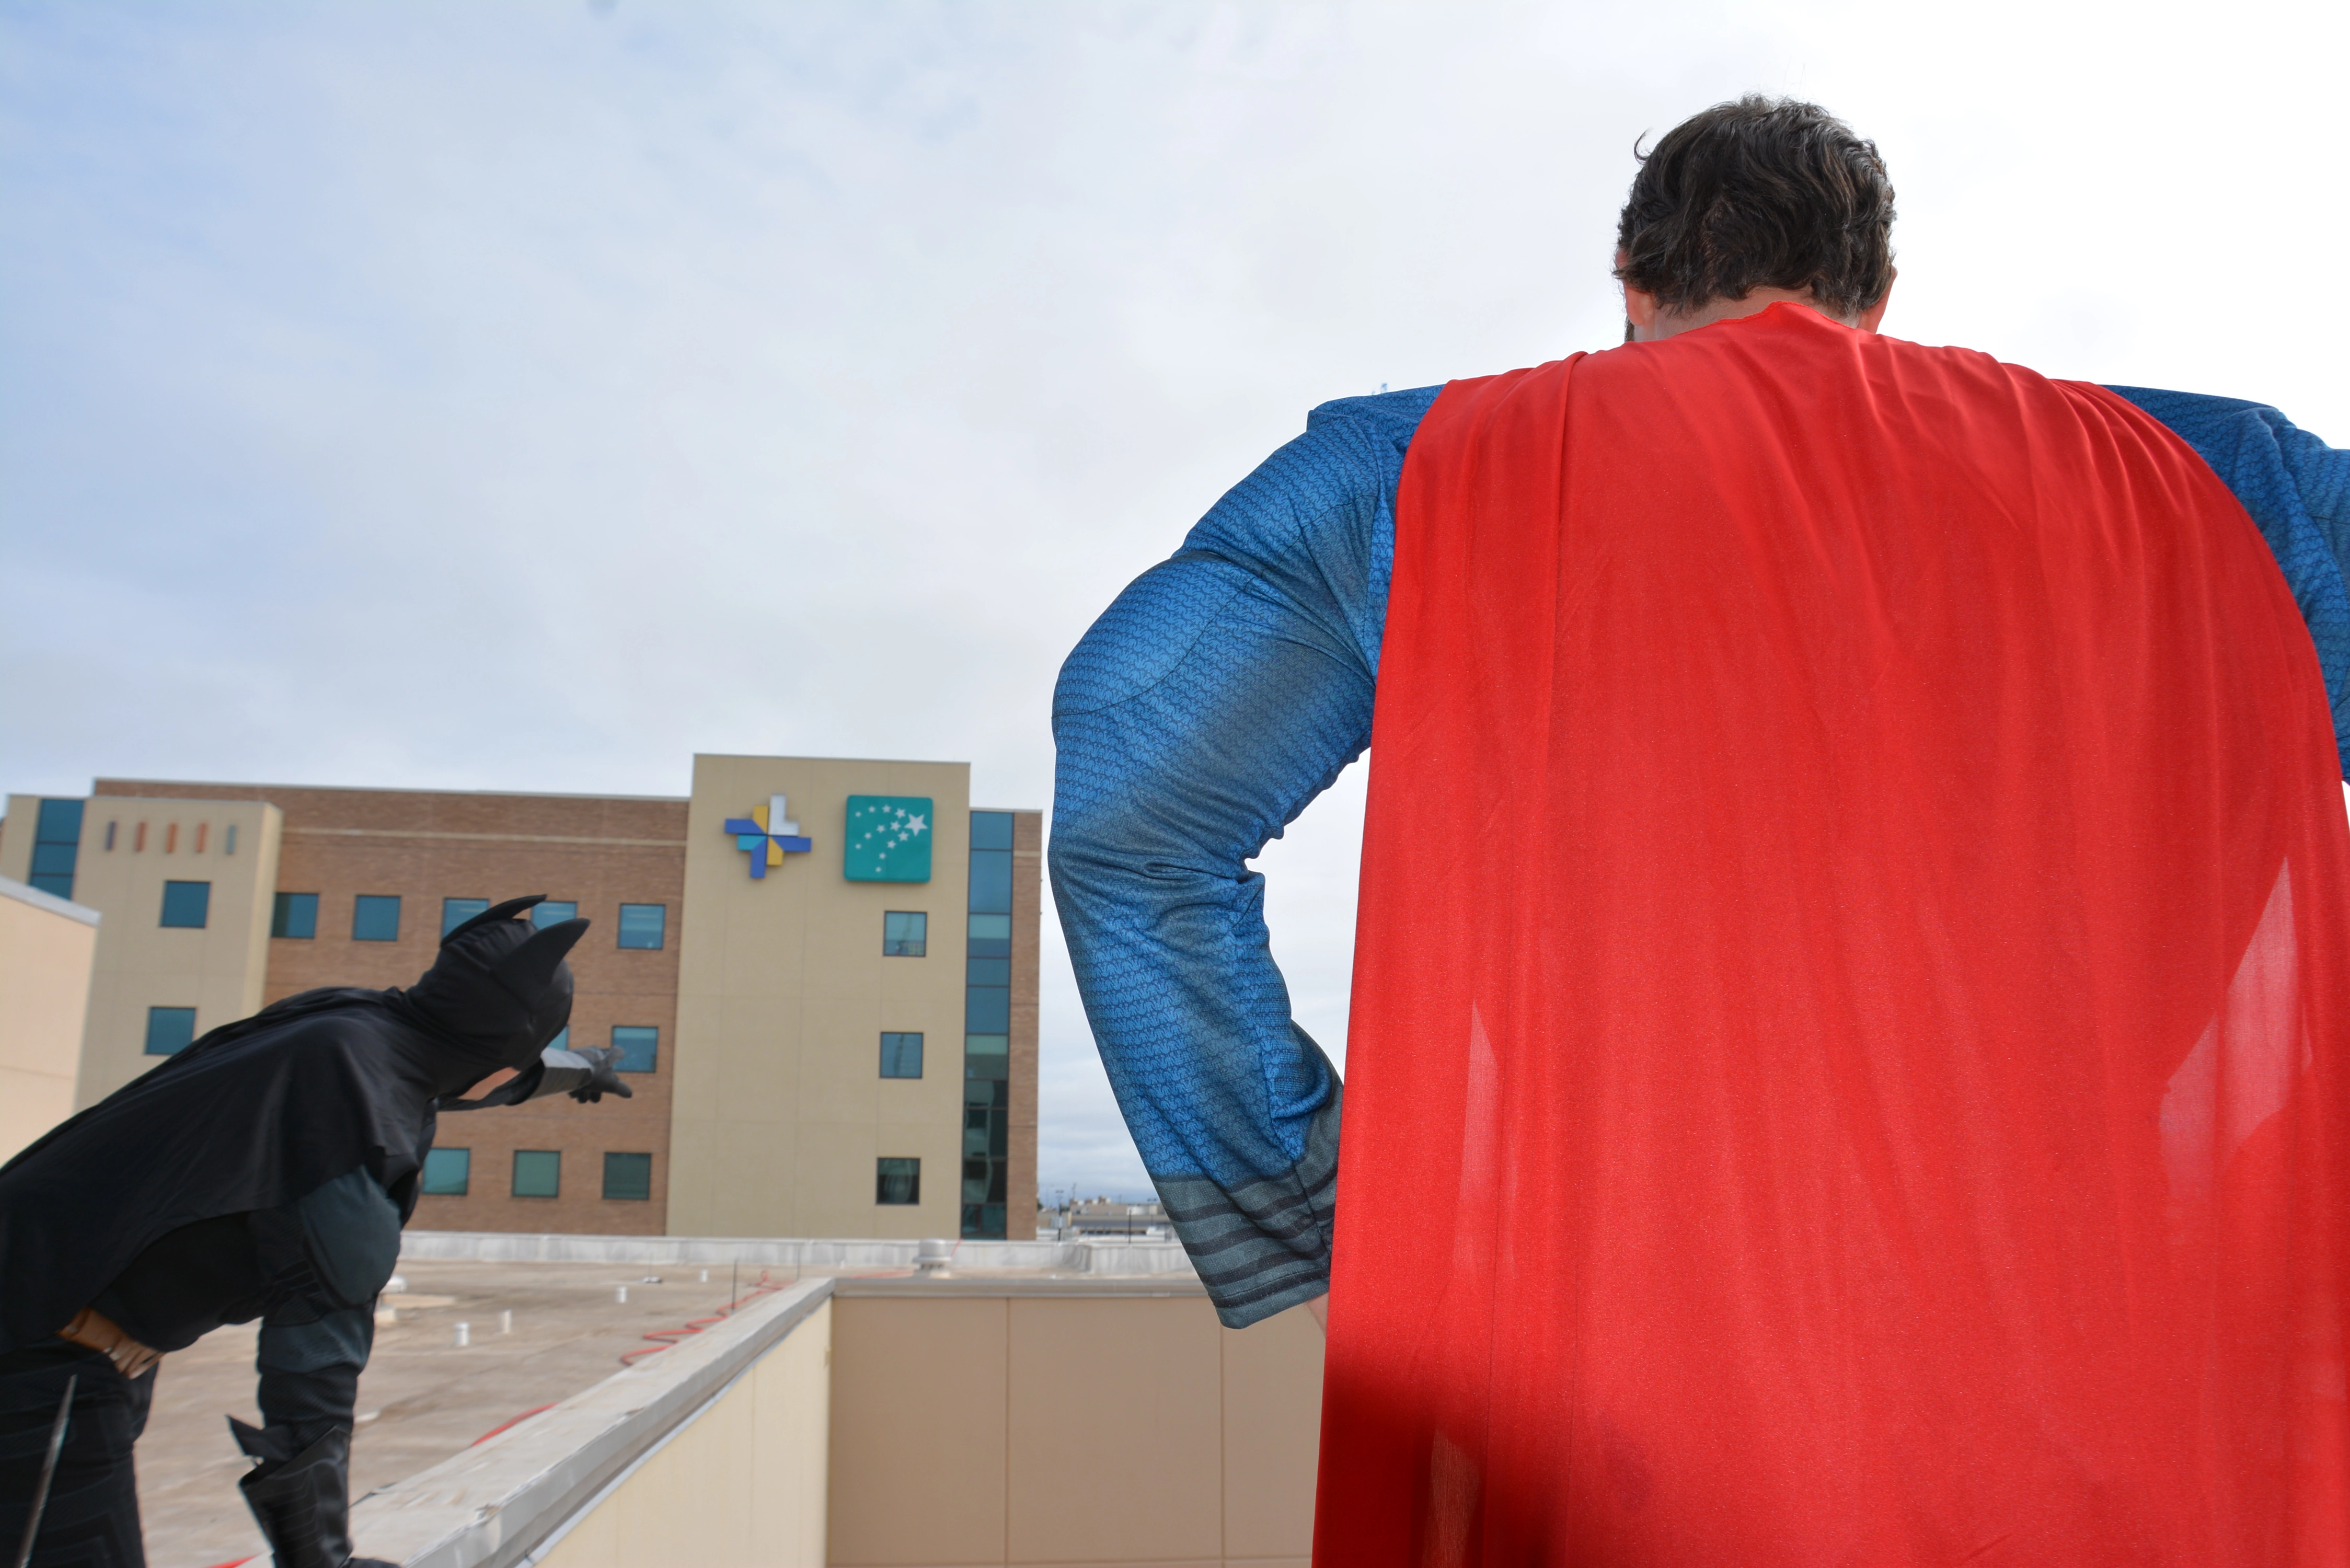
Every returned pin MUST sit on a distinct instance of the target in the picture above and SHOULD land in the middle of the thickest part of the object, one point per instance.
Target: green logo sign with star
(888, 839)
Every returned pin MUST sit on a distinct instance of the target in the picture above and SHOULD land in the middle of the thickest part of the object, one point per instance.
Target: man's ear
(1640, 307)
(1868, 319)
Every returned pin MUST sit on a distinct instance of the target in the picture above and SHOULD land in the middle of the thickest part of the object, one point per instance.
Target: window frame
(281, 910)
(910, 1172)
(653, 1057)
(898, 1038)
(153, 1015)
(362, 901)
(203, 901)
(554, 1189)
(647, 1195)
(424, 1187)
(660, 929)
(916, 945)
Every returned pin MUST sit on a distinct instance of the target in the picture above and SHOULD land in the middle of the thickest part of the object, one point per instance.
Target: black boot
(303, 1501)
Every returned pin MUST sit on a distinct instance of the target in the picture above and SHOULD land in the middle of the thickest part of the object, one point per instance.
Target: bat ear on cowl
(508, 911)
(536, 975)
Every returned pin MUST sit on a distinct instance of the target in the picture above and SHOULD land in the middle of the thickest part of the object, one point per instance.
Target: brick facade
(1027, 891)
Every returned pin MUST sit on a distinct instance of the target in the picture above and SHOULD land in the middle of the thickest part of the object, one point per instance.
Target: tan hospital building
(822, 974)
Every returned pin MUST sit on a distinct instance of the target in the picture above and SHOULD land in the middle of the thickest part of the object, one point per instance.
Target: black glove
(604, 1060)
(302, 1501)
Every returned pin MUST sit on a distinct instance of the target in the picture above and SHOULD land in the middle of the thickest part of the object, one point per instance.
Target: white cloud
(531, 395)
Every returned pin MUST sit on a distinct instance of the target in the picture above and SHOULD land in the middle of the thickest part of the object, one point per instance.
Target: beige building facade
(825, 1048)
(47, 945)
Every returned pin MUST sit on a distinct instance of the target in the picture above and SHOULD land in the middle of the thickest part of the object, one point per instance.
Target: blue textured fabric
(2298, 489)
(1230, 685)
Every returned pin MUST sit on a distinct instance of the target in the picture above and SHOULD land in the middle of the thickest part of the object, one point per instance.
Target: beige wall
(1031, 1429)
(141, 963)
(742, 1486)
(46, 947)
(779, 1108)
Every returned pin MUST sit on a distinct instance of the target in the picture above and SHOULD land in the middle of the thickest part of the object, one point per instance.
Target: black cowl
(497, 993)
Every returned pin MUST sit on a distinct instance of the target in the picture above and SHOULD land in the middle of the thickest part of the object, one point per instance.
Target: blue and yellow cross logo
(767, 834)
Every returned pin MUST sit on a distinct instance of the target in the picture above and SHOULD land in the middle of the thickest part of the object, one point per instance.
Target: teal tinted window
(552, 912)
(169, 1029)
(987, 971)
(643, 925)
(448, 1172)
(905, 933)
(987, 1009)
(638, 1045)
(991, 936)
(628, 1176)
(990, 880)
(897, 1180)
(375, 918)
(56, 847)
(294, 914)
(537, 1172)
(991, 830)
(901, 1055)
(455, 912)
(562, 1041)
(187, 904)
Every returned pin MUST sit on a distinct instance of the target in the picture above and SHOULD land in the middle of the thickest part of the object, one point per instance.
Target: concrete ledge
(1104, 1257)
(492, 1505)
(1024, 1285)
(25, 893)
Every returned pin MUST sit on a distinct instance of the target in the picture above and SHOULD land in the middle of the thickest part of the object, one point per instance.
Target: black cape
(260, 1112)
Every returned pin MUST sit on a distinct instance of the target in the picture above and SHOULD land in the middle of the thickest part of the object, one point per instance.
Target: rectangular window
(986, 1150)
(537, 1172)
(57, 846)
(987, 971)
(187, 904)
(170, 1030)
(628, 1177)
(455, 912)
(638, 1045)
(897, 1180)
(991, 936)
(990, 880)
(375, 918)
(987, 1009)
(991, 830)
(553, 912)
(901, 1055)
(905, 933)
(448, 1172)
(296, 916)
(644, 926)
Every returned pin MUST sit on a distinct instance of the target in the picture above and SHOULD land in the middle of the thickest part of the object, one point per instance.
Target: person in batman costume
(263, 1172)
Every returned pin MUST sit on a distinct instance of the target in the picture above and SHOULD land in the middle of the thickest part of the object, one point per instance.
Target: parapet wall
(1089, 1257)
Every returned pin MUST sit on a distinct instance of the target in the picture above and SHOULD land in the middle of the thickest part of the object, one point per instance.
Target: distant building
(1102, 1219)
(46, 947)
(822, 972)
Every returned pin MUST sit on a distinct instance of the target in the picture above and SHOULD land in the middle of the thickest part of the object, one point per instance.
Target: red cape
(1847, 1063)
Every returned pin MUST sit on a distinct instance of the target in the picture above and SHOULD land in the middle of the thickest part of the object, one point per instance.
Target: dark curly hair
(1760, 193)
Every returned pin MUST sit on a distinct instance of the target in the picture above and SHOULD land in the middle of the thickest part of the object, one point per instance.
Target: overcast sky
(528, 395)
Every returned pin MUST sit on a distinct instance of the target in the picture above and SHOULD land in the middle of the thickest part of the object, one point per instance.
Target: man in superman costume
(1848, 1039)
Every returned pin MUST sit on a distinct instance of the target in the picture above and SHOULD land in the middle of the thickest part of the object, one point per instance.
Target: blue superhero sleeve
(1223, 690)
(2298, 489)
